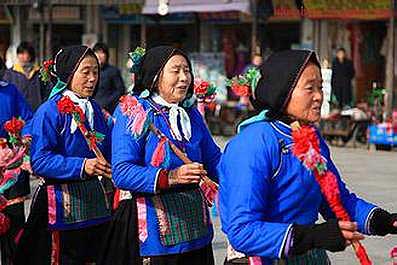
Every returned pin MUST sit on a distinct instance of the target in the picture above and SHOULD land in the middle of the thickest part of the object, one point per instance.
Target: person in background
(341, 80)
(26, 65)
(18, 79)
(255, 62)
(26, 60)
(111, 86)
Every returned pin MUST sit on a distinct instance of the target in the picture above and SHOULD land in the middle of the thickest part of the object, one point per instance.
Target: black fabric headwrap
(279, 76)
(153, 63)
(68, 59)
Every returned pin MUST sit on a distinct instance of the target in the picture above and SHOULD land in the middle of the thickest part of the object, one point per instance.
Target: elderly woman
(70, 211)
(269, 198)
(173, 219)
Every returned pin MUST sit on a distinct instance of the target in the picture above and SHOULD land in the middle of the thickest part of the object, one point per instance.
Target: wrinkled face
(24, 57)
(307, 96)
(102, 58)
(86, 77)
(175, 79)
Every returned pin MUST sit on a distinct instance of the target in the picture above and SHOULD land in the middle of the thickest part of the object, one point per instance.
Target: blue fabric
(132, 169)
(264, 189)
(58, 154)
(13, 104)
(55, 152)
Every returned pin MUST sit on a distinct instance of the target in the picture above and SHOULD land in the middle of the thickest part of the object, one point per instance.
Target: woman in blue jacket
(269, 201)
(173, 219)
(70, 210)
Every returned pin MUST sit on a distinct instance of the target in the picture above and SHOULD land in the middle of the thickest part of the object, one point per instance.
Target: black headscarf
(279, 76)
(153, 63)
(67, 60)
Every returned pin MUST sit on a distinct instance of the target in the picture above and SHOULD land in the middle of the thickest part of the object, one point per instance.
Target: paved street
(372, 175)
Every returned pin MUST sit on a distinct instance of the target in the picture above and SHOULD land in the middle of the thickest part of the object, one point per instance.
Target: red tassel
(159, 153)
(209, 189)
(116, 199)
(306, 148)
(361, 254)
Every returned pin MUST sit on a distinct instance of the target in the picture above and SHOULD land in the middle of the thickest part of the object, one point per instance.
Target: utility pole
(390, 85)
(49, 31)
(392, 100)
(143, 31)
(254, 33)
(39, 6)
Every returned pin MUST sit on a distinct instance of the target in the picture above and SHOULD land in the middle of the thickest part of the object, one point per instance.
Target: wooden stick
(181, 155)
(95, 149)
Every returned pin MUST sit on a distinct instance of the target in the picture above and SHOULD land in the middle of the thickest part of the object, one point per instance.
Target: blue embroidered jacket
(58, 156)
(264, 189)
(132, 169)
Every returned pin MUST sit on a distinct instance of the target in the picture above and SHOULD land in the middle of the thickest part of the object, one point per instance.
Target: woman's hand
(97, 167)
(349, 231)
(186, 174)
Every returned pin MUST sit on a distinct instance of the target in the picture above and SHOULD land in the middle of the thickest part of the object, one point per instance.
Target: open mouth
(316, 108)
(181, 88)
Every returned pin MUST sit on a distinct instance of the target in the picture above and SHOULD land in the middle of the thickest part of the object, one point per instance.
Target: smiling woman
(158, 189)
(175, 79)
